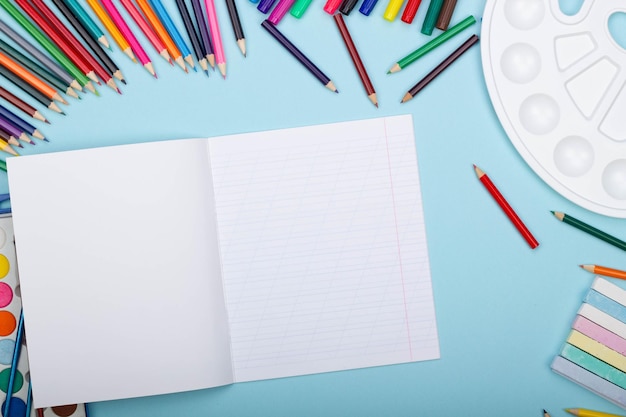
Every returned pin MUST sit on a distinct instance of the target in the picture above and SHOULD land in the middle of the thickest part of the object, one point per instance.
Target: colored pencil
(3, 165)
(147, 30)
(356, 59)
(193, 35)
(214, 29)
(37, 69)
(92, 43)
(508, 210)
(347, 6)
(567, 219)
(48, 45)
(445, 14)
(472, 40)
(432, 44)
(20, 123)
(81, 51)
(393, 7)
(201, 21)
(236, 23)
(115, 33)
(545, 413)
(410, 10)
(16, 356)
(299, 7)
(265, 6)
(7, 138)
(13, 131)
(162, 33)
(30, 78)
(43, 59)
(432, 14)
(165, 18)
(138, 50)
(367, 7)
(331, 6)
(87, 22)
(30, 90)
(286, 43)
(581, 412)
(22, 105)
(29, 399)
(603, 270)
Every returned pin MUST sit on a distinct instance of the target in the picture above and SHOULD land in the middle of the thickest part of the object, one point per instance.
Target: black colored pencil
(440, 68)
(267, 25)
(201, 20)
(193, 34)
(29, 89)
(236, 23)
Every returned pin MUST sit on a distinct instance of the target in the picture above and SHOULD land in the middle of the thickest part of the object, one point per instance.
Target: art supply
(445, 14)
(581, 412)
(410, 10)
(201, 21)
(14, 363)
(171, 28)
(282, 39)
(545, 413)
(117, 36)
(146, 29)
(266, 5)
(432, 14)
(13, 130)
(593, 354)
(580, 225)
(216, 37)
(393, 7)
(19, 122)
(367, 6)
(280, 11)
(347, 6)
(193, 35)
(160, 30)
(299, 7)
(506, 207)
(227, 337)
(236, 23)
(8, 139)
(22, 105)
(432, 44)
(136, 47)
(571, 92)
(421, 84)
(356, 59)
(87, 22)
(603, 270)
(30, 90)
(331, 6)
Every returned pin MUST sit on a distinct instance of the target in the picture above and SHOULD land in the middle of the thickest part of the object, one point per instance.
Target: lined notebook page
(323, 246)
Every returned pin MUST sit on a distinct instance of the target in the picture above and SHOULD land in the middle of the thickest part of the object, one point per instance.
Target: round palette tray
(558, 86)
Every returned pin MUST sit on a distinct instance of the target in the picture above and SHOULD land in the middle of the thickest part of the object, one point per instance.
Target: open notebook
(178, 265)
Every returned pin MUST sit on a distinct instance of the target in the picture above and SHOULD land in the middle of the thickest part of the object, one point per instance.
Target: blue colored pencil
(165, 18)
(19, 122)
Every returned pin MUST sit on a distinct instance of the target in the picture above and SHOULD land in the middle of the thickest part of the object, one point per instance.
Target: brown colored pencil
(356, 59)
(445, 14)
(22, 105)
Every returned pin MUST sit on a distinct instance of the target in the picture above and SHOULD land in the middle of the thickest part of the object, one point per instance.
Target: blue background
(503, 310)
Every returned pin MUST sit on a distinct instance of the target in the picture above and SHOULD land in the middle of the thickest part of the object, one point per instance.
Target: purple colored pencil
(280, 10)
(10, 127)
(18, 121)
(201, 20)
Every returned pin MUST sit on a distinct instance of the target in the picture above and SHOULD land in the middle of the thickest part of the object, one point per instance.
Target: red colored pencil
(508, 210)
(410, 10)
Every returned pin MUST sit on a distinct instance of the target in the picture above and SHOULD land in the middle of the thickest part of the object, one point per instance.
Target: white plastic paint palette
(558, 85)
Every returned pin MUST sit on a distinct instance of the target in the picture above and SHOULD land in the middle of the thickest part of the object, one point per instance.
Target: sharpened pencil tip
(119, 91)
(123, 82)
(46, 121)
(46, 140)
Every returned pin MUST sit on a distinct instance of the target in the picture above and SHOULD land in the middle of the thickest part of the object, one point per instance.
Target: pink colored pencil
(214, 28)
(117, 19)
(146, 29)
(331, 6)
(280, 10)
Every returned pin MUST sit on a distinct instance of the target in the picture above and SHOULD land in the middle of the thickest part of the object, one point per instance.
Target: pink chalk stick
(600, 334)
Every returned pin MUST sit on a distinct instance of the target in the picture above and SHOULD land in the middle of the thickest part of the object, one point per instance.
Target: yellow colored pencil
(119, 39)
(581, 412)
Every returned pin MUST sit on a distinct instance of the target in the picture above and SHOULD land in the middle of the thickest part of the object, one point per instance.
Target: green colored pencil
(432, 44)
(88, 23)
(46, 43)
(590, 230)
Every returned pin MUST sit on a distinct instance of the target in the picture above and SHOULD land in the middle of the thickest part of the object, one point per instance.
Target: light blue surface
(503, 310)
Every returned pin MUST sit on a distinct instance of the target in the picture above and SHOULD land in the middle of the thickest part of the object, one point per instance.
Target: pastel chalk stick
(610, 290)
(607, 305)
(597, 349)
(589, 380)
(603, 319)
(595, 365)
(600, 334)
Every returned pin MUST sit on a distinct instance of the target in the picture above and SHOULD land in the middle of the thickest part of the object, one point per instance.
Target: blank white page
(324, 254)
(120, 272)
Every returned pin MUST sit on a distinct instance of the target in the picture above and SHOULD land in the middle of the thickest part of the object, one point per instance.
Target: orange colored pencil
(603, 270)
(162, 33)
(30, 78)
(117, 36)
(146, 29)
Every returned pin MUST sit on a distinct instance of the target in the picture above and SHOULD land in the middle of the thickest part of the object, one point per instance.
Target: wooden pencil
(201, 21)
(5, 145)
(147, 30)
(593, 231)
(30, 90)
(171, 28)
(117, 36)
(445, 14)
(216, 37)
(87, 22)
(23, 106)
(30, 78)
(236, 24)
(193, 35)
(356, 59)
(20, 123)
(13, 130)
(306, 62)
(603, 270)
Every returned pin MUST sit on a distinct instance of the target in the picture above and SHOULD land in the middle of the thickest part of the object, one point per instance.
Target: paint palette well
(558, 85)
